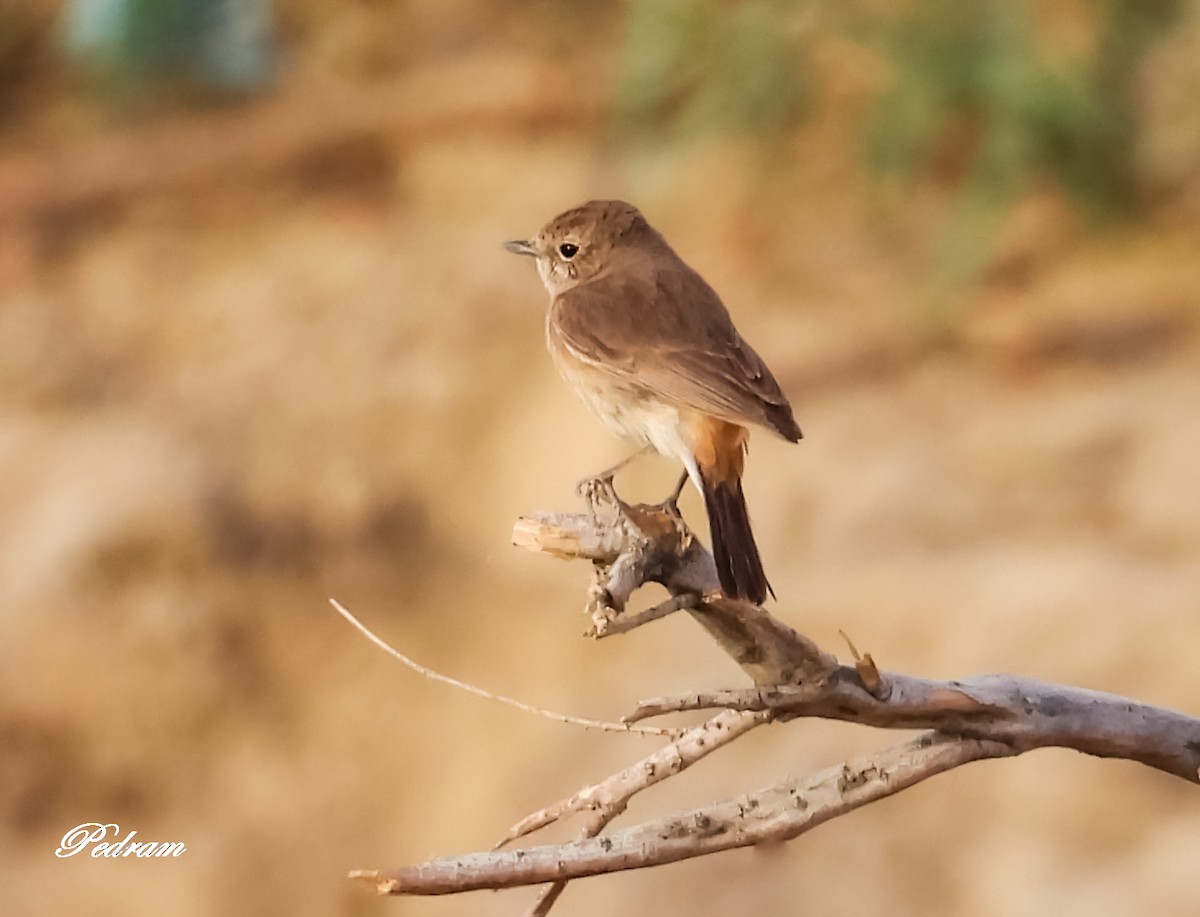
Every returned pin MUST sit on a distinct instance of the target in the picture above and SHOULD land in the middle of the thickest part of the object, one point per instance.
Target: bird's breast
(626, 408)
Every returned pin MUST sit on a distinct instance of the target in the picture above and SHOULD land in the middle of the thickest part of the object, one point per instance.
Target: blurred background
(260, 346)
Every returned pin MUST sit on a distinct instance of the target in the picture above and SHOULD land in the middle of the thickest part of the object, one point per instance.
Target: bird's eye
(568, 250)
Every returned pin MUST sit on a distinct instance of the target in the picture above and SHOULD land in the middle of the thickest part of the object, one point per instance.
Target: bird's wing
(684, 350)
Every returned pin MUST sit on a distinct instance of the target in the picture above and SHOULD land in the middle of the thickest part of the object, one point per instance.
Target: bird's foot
(599, 492)
(598, 489)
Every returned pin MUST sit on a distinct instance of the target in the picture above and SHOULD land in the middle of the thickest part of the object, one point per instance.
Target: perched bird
(651, 349)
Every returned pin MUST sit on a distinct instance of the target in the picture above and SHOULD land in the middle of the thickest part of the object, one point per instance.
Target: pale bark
(988, 716)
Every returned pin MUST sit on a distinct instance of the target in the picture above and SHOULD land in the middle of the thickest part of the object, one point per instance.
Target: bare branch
(610, 796)
(778, 813)
(766, 698)
(571, 536)
(627, 622)
(608, 799)
(988, 716)
(652, 544)
(1021, 712)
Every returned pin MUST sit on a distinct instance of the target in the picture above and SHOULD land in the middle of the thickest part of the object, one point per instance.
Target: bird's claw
(598, 492)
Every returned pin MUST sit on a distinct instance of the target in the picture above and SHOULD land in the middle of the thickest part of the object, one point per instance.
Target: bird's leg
(672, 502)
(599, 488)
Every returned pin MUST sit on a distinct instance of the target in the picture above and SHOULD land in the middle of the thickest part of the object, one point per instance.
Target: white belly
(631, 413)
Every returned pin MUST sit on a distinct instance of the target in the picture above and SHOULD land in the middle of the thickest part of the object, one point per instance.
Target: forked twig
(608, 799)
(610, 796)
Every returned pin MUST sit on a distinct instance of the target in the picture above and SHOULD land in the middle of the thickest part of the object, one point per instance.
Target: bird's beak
(520, 247)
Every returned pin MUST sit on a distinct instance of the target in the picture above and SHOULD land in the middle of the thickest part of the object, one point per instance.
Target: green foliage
(219, 43)
(688, 67)
(978, 103)
(158, 37)
(975, 65)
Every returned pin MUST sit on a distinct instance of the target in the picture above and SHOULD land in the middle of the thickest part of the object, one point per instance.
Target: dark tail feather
(738, 565)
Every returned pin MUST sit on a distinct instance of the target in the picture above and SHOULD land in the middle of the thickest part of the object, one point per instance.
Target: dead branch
(608, 799)
(651, 544)
(778, 813)
(987, 716)
(1020, 712)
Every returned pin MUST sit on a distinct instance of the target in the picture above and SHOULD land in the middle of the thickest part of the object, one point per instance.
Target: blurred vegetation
(24, 54)
(983, 100)
(688, 67)
(972, 75)
(219, 44)
(981, 95)
(977, 102)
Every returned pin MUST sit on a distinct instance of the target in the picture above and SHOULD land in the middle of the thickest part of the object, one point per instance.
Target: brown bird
(651, 349)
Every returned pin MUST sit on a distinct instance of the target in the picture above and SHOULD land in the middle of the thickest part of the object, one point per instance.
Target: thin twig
(545, 900)
(480, 692)
(627, 622)
(614, 792)
(609, 798)
(766, 698)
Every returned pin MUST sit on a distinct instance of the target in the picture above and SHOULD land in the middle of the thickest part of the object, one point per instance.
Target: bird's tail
(739, 567)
